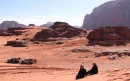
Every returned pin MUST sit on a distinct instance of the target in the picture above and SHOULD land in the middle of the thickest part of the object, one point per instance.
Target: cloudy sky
(42, 11)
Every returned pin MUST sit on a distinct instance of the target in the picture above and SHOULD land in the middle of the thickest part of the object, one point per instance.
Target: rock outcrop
(17, 43)
(14, 60)
(81, 49)
(112, 13)
(16, 31)
(108, 36)
(4, 33)
(59, 30)
(22, 61)
(29, 61)
(12, 31)
(31, 25)
(113, 55)
(10, 24)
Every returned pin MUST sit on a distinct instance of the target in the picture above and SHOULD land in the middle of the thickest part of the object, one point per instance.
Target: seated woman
(82, 72)
(94, 70)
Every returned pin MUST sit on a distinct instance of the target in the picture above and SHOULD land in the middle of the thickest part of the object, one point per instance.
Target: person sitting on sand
(94, 70)
(82, 72)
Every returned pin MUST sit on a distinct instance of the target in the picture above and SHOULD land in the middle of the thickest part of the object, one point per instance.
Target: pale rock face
(112, 13)
(10, 24)
(48, 24)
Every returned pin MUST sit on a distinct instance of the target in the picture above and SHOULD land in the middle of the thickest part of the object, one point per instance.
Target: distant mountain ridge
(10, 24)
(48, 24)
(112, 13)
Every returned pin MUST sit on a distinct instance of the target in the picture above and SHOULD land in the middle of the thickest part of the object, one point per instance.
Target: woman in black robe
(94, 70)
(82, 72)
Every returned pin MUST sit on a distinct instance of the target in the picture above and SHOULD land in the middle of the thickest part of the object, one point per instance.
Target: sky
(42, 11)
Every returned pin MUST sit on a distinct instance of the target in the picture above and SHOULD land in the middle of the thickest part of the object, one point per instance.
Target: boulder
(22, 61)
(17, 43)
(81, 49)
(14, 60)
(29, 61)
(113, 57)
(59, 42)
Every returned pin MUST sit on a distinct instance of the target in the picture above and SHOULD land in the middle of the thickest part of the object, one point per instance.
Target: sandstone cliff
(59, 30)
(112, 13)
(108, 36)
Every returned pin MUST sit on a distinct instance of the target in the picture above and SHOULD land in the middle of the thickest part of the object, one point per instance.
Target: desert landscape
(53, 40)
(61, 61)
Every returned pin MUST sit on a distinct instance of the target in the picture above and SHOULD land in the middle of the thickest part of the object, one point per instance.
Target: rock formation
(12, 31)
(81, 49)
(14, 60)
(16, 31)
(31, 25)
(48, 24)
(29, 61)
(17, 43)
(113, 55)
(10, 24)
(22, 61)
(4, 33)
(112, 13)
(59, 30)
(108, 36)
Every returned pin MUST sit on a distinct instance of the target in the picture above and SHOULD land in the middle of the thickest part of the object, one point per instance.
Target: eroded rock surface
(59, 30)
(108, 36)
(111, 13)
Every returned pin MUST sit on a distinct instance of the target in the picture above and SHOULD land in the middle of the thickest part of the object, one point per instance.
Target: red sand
(58, 63)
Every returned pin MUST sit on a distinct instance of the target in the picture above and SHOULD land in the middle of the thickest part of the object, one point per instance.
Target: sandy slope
(58, 63)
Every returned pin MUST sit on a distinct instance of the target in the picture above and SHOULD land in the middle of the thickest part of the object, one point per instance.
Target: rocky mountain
(10, 24)
(48, 24)
(112, 13)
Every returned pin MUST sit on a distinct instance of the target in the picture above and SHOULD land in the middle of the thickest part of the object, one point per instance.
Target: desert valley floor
(56, 62)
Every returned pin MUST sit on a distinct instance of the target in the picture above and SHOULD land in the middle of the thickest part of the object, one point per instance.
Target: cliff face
(10, 24)
(112, 13)
(108, 36)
